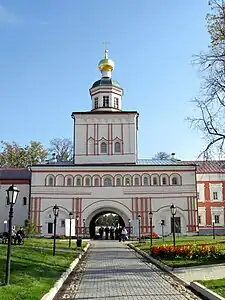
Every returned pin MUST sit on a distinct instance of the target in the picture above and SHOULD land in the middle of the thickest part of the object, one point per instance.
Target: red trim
(94, 139)
(110, 171)
(108, 139)
(146, 214)
(111, 139)
(39, 215)
(142, 213)
(122, 139)
(14, 181)
(97, 139)
(132, 207)
(189, 227)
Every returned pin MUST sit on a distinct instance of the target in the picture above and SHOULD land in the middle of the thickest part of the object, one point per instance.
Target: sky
(49, 56)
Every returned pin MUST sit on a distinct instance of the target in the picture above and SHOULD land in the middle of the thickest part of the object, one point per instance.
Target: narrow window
(69, 181)
(96, 102)
(164, 181)
(118, 181)
(217, 219)
(198, 196)
(87, 181)
(199, 220)
(116, 102)
(155, 181)
(24, 200)
(215, 196)
(174, 181)
(103, 147)
(96, 182)
(145, 181)
(62, 223)
(105, 101)
(107, 181)
(127, 181)
(117, 147)
(50, 181)
(136, 181)
(50, 228)
(78, 181)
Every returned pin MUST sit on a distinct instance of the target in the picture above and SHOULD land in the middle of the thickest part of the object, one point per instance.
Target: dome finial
(106, 65)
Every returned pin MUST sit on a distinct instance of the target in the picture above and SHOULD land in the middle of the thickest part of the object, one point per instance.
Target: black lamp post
(150, 217)
(56, 213)
(213, 227)
(173, 212)
(84, 228)
(70, 216)
(129, 220)
(77, 220)
(139, 225)
(12, 194)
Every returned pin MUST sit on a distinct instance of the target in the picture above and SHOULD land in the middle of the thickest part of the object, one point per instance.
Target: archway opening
(104, 221)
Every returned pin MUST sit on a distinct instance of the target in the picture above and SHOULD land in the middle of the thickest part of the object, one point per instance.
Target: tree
(162, 156)
(211, 103)
(15, 156)
(63, 149)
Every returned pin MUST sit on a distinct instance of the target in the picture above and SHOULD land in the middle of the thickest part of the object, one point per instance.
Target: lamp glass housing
(173, 209)
(12, 194)
(56, 210)
(77, 218)
(139, 217)
(150, 214)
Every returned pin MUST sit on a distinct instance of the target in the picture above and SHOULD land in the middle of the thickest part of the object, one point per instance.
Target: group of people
(118, 233)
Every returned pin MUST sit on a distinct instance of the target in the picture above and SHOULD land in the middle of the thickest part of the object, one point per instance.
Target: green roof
(106, 81)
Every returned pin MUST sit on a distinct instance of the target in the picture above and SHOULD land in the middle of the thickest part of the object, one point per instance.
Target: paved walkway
(115, 272)
(206, 272)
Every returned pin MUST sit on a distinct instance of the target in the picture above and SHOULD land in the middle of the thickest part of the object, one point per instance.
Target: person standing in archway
(107, 233)
(124, 234)
(112, 233)
(101, 230)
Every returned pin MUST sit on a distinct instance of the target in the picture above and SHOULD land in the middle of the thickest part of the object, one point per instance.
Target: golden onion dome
(106, 64)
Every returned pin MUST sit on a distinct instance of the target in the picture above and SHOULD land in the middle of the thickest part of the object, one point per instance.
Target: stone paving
(115, 272)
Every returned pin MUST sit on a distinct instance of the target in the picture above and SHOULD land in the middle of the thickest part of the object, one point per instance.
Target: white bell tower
(106, 133)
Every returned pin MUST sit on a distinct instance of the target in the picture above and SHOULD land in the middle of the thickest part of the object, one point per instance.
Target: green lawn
(33, 271)
(180, 262)
(217, 286)
(48, 243)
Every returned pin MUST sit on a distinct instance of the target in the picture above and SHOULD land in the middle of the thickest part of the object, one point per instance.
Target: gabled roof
(210, 166)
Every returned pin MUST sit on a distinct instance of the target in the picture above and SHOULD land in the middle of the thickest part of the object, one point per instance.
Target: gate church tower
(106, 133)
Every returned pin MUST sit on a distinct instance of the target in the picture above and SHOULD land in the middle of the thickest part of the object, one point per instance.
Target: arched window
(164, 180)
(69, 181)
(50, 181)
(107, 181)
(103, 148)
(118, 181)
(155, 181)
(136, 181)
(174, 180)
(127, 181)
(117, 147)
(96, 182)
(78, 181)
(145, 181)
(87, 181)
(60, 180)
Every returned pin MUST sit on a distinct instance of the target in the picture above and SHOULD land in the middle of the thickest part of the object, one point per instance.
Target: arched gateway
(106, 174)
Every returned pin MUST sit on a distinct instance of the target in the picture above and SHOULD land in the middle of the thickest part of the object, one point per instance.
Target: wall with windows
(130, 191)
(211, 202)
(106, 138)
(20, 208)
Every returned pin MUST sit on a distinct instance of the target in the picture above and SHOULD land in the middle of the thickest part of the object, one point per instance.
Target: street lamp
(56, 213)
(173, 212)
(213, 227)
(139, 225)
(70, 217)
(77, 219)
(129, 220)
(150, 217)
(12, 194)
(84, 228)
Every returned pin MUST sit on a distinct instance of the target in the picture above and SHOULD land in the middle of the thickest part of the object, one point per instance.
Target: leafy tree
(162, 156)
(63, 149)
(211, 103)
(15, 156)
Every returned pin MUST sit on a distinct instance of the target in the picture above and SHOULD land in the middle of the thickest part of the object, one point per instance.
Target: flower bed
(188, 252)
